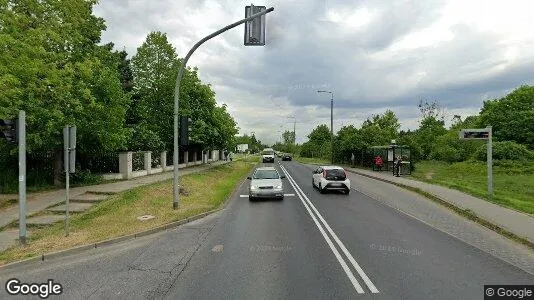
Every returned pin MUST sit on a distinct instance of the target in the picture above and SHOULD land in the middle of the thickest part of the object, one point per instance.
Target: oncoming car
(286, 157)
(331, 178)
(266, 182)
(267, 155)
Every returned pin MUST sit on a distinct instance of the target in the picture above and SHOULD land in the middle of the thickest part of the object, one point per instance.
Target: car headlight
(253, 187)
(278, 187)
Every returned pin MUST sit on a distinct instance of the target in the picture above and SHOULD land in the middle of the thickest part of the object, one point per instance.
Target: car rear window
(335, 174)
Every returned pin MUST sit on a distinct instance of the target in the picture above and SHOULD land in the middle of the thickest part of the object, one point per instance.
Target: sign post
(482, 134)
(21, 126)
(69, 161)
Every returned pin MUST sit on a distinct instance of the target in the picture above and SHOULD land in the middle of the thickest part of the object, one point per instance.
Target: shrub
(446, 153)
(505, 150)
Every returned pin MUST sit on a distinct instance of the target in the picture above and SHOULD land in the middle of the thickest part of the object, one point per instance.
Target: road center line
(338, 256)
(354, 263)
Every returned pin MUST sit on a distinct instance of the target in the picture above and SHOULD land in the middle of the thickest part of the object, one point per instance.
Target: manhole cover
(145, 217)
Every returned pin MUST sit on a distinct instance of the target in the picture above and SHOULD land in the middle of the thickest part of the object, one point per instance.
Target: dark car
(286, 157)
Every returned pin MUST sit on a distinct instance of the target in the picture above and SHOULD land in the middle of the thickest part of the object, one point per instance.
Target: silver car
(266, 182)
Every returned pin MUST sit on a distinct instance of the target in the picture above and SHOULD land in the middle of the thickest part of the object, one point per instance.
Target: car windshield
(268, 152)
(335, 174)
(266, 174)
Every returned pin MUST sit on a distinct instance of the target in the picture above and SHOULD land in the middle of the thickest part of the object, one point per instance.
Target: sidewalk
(518, 223)
(37, 202)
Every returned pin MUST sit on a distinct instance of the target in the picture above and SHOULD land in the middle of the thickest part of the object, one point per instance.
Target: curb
(470, 215)
(83, 248)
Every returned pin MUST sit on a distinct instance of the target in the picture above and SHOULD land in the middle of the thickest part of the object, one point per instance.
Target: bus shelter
(388, 154)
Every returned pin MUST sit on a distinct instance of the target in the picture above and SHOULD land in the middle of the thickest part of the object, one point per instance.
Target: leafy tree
(154, 68)
(512, 117)
(448, 147)
(289, 137)
(318, 144)
(428, 132)
(226, 128)
(54, 70)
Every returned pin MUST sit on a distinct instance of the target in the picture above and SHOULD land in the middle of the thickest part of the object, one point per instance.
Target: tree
(380, 129)
(56, 72)
(432, 126)
(318, 144)
(226, 128)
(511, 117)
(289, 137)
(428, 132)
(431, 109)
(154, 68)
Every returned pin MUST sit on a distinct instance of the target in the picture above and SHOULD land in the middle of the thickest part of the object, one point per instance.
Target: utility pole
(331, 122)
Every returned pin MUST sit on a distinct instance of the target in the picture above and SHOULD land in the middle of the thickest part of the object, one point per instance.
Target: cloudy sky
(373, 54)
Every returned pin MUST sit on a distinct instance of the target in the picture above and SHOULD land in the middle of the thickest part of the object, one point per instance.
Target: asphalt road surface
(308, 246)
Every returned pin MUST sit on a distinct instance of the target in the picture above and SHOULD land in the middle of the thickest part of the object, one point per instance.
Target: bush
(505, 150)
(85, 177)
(446, 153)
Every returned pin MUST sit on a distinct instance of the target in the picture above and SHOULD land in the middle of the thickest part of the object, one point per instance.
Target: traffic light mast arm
(176, 189)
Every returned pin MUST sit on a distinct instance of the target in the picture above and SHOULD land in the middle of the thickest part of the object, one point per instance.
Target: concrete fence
(126, 170)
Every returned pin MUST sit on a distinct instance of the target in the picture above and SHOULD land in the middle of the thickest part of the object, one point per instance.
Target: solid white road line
(355, 264)
(338, 256)
(285, 195)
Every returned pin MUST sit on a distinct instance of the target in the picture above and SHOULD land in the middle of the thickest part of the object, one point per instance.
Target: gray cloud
(306, 51)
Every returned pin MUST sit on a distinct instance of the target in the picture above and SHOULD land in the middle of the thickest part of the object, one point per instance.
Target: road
(308, 246)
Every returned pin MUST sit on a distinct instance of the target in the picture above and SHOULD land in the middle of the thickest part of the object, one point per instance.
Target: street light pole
(331, 123)
(176, 188)
(294, 133)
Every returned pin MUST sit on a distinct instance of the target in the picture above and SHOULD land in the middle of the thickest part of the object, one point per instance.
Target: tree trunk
(58, 165)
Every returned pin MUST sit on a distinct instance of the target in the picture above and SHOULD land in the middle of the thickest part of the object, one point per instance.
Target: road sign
(255, 29)
(482, 134)
(475, 134)
(69, 161)
(21, 139)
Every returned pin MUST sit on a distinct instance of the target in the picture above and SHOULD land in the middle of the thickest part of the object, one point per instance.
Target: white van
(267, 155)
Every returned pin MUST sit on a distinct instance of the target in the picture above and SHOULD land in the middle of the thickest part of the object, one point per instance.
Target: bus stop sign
(475, 134)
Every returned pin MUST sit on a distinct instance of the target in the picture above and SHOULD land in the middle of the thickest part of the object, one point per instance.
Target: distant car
(286, 157)
(266, 182)
(267, 155)
(331, 178)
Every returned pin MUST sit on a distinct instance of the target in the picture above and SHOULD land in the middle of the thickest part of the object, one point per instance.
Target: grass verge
(117, 216)
(309, 160)
(513, 182)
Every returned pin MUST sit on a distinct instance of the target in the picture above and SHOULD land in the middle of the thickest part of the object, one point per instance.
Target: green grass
(308, 160)
(117, 216)
(513, 182)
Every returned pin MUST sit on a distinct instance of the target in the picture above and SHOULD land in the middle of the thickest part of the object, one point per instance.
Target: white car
(266, 182)
(267, 155)
(331, 178)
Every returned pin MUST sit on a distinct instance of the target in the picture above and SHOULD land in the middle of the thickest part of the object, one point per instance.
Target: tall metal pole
(67, 176)
(176, 188)
(490, 163)
(22, 176)
(294, 137)
(332, 126)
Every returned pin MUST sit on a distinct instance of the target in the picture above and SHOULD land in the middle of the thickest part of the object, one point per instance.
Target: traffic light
(9, 130)
(255, 29)
(185, 123)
